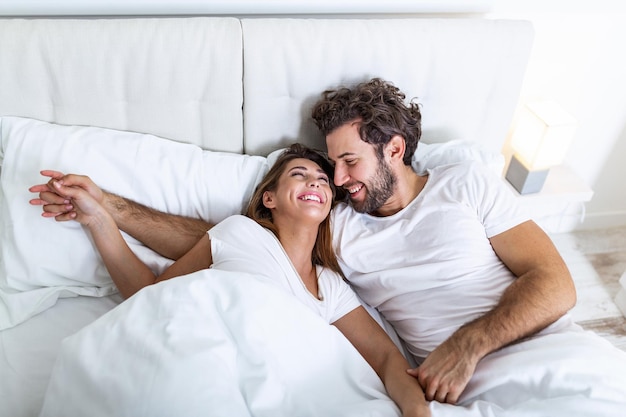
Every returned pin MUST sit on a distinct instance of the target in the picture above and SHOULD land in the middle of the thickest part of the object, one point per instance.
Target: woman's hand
(57, 202)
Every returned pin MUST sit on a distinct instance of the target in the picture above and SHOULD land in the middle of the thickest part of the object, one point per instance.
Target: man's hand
(59, 206)
(446, 372)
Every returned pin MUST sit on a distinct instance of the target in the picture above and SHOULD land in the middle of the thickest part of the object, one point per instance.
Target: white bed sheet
(28, 351)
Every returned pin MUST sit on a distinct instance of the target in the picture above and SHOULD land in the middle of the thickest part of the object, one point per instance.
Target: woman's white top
(242, 245)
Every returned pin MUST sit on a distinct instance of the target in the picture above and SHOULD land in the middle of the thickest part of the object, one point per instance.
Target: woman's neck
(298, 240)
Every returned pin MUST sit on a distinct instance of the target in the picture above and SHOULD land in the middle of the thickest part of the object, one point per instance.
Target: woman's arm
(384, 357)
(128, 272)
(169, 235)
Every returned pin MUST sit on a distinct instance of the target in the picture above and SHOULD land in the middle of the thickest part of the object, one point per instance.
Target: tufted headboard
(247, 85)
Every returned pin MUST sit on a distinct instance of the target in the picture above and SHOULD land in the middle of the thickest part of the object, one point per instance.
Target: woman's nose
(314, 183)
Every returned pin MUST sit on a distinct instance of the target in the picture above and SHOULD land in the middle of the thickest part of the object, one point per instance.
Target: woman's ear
(268, 200)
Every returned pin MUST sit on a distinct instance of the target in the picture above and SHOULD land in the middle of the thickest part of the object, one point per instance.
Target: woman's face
(303, 192)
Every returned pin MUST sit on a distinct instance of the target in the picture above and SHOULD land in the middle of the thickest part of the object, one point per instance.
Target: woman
(288, 219)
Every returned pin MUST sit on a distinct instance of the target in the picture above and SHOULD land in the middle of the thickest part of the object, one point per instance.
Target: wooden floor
(597, 260)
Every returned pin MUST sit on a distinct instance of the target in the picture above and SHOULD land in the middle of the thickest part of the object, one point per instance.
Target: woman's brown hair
(323, 253)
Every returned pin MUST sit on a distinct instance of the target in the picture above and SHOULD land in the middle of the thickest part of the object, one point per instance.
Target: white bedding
(42, 260)
(218, 343)
(213, 343)
(28, 351)
(243, 85)
(108, 156)
(566, 374)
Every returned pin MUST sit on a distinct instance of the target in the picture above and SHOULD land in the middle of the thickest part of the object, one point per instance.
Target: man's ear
(395, 148)
(268, 200)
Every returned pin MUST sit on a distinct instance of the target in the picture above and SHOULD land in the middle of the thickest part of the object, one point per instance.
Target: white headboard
(466, 73)
(176, 78)
(247, 85)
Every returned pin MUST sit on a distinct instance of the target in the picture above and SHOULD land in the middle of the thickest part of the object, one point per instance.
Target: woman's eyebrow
(319, 170)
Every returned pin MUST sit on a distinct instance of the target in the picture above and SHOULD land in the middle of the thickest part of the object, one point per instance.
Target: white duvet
(568, 374)
(218, 343)
(213, 343)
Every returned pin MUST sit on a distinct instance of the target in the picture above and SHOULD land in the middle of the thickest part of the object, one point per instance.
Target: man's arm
(542, 293)
(169, 235)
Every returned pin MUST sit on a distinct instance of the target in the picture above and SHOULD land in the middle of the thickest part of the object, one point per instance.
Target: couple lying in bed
(446, 257)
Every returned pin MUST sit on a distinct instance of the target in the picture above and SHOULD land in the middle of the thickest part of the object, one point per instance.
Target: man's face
(368, 180)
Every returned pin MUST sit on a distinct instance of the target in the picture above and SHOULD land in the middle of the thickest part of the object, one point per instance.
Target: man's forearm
(528, 306)
(542, 292)
(169, 235)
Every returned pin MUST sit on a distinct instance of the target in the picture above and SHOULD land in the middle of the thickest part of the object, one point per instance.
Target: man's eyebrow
(343, 155)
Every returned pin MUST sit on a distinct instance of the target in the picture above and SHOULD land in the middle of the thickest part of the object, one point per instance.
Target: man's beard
(379, 189)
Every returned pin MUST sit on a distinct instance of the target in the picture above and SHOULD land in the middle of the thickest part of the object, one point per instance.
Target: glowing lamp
(540, 141)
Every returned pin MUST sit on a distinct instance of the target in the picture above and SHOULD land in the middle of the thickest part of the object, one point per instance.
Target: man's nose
(341, 176)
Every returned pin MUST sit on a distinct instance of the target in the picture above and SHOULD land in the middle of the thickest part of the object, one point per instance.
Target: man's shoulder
(342, 209)
(341, 214)
(462, 173)
(456, 167)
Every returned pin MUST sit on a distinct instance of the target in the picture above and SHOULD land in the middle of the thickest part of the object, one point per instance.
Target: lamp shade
(543, 135)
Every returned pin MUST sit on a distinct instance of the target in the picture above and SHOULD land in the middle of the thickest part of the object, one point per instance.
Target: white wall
(579, 59)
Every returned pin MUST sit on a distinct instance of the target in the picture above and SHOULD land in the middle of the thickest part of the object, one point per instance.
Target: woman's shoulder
(233, 224)
(331, 278)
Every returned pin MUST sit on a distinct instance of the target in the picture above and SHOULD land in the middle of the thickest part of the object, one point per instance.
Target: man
(445, 257)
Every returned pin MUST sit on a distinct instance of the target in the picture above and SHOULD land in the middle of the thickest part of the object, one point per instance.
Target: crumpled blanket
(218, 343)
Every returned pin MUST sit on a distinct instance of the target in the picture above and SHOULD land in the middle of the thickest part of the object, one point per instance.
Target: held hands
(68, 197)
(445, 372)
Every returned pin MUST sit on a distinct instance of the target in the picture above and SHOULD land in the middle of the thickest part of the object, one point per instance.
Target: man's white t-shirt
(430, 268)
(240, 244)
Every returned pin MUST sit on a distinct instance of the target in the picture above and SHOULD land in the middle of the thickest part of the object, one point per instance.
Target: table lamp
(541, 138)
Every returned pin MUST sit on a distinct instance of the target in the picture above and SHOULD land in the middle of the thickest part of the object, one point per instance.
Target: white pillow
(42, 259)
(430, 155)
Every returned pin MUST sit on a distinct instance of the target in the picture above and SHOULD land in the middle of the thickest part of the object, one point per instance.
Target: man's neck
(408, 187)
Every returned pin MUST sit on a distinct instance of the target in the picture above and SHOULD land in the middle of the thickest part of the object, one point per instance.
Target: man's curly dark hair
(380, 108)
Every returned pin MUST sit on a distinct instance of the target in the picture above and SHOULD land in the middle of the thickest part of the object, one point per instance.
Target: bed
(183, 114)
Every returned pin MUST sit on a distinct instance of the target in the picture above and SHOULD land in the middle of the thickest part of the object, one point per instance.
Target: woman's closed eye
(306, 174)
(297, 174)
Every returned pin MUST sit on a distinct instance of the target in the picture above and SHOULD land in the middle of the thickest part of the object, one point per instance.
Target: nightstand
(560, 205)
